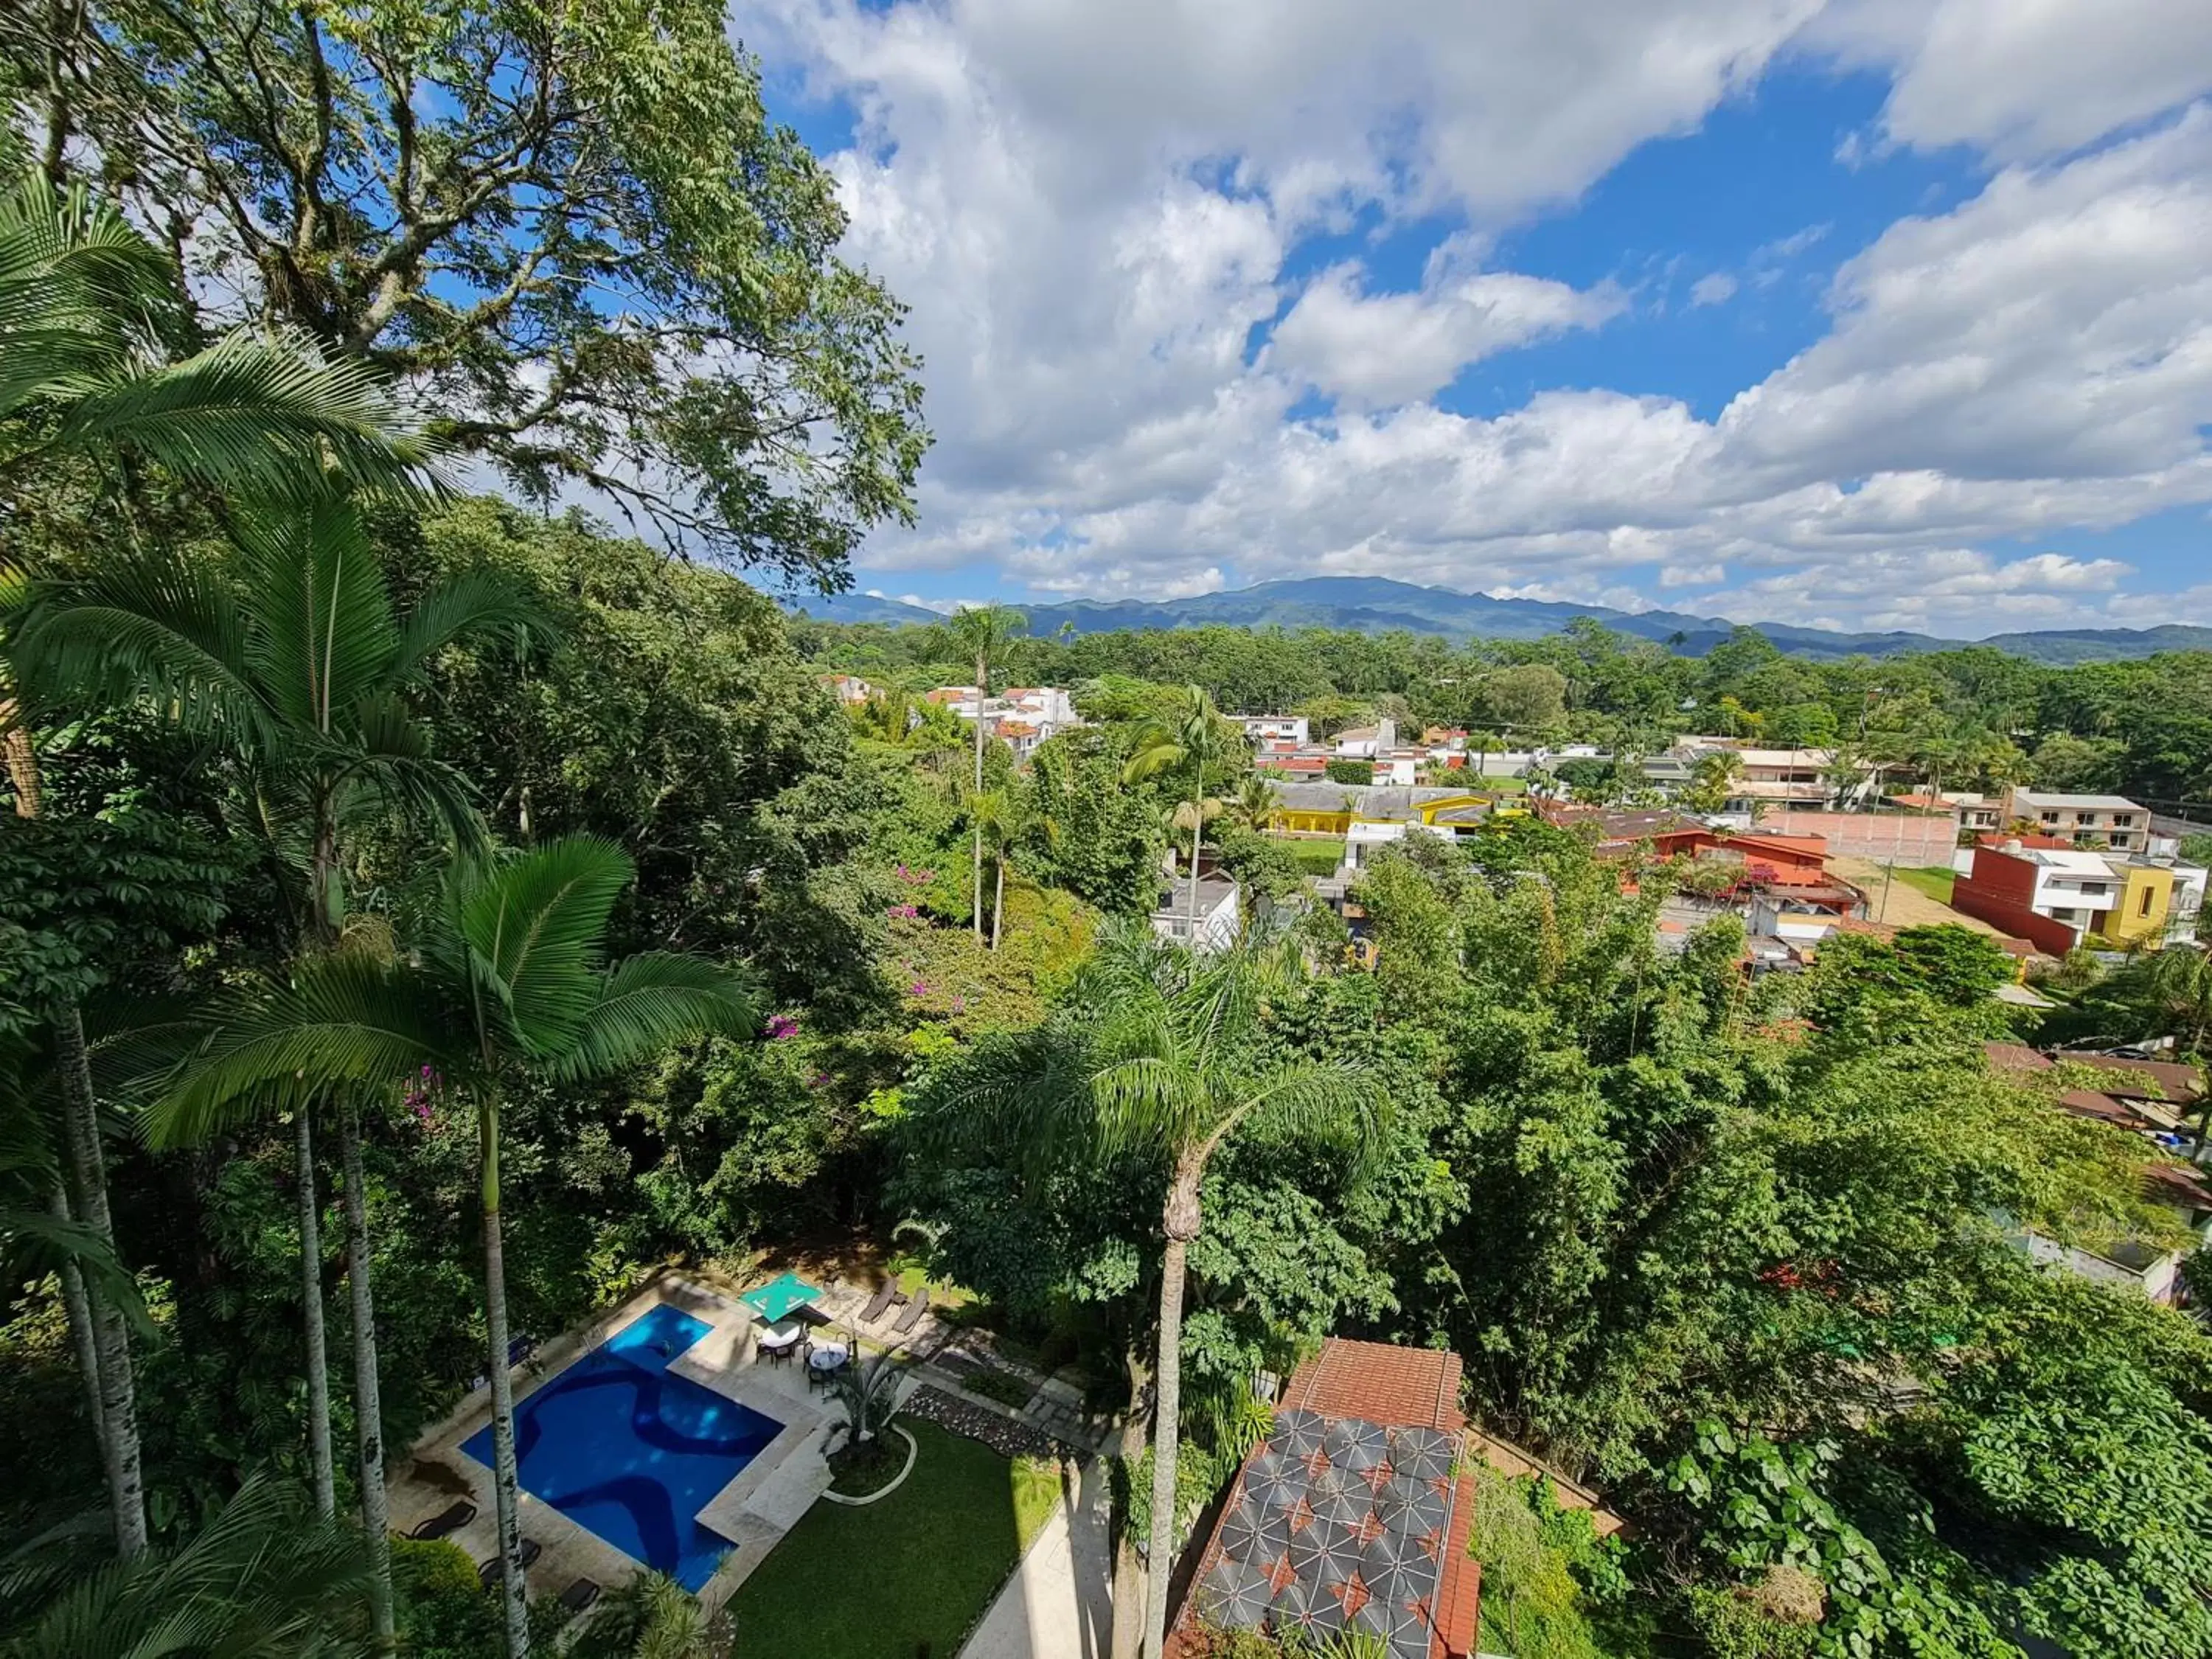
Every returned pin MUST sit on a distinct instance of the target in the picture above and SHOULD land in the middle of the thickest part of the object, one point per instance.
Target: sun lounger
(450, 1519)
(581, 1595)
(917, 1305)
(882, 1302)
(495, 1569)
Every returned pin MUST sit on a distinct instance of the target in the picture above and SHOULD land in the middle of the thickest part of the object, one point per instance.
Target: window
(2123, 820)
(2143, 909)
(2051, 818)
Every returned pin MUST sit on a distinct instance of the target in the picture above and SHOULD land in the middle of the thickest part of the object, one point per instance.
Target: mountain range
(1375, 605)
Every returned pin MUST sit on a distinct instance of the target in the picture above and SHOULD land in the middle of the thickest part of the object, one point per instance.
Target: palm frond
(266, 416)
(475, 605)
(323, 636)
(389, 765)
(150, 624)
(343, 1018)
(647, 1004)
(537, 925)
(264, 1577)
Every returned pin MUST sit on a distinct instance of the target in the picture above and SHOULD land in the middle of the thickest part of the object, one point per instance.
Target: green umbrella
(780, 1296)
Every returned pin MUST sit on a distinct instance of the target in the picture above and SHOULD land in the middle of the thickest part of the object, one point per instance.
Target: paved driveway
(1059, 1604)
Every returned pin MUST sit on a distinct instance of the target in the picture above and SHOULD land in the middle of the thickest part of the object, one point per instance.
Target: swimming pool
(620, 1446)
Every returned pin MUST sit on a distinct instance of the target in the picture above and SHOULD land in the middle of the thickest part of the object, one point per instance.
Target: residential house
(1024, 715)
(2112, 821)
(1332, 809)
(2049, 895)
(1620, 834)
(1355, 1513)
(1365, 742)
(1293, 729)
(1764, 779)
(849, 689)
(1363, 836)
(1218, 918)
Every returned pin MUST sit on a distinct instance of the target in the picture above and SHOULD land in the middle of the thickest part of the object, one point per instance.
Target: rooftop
(2068, 862)
(1349, 1516)
(1212, 896)
(2090, 803)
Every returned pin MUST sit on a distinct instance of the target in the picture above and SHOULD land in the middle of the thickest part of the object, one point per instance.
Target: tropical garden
(425, 912)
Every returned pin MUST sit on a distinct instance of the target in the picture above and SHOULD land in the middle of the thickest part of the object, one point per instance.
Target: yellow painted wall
(2139, 916)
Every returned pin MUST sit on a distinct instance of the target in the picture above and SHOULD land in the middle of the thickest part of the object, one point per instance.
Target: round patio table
(829, 1359)
(782, 1337)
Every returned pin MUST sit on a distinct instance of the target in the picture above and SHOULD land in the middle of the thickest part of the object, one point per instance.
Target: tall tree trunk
(1128, 1594)
(22, 764)
(1182, 1221)
(1197, 829)
(78, 1306)
(310, 1313)
(999, 903)
(119, 1407)
(368, 1390)
(506, 1484)
(982, 668)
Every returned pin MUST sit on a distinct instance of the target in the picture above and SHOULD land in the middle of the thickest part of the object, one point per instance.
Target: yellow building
(1331, 808)
(2139, 917)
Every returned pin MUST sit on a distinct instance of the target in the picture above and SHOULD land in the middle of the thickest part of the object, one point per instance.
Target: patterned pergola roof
(1341, 1522)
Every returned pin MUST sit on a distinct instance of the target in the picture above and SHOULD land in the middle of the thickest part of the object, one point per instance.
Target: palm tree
(1164, 1054)
(1195, 737)
(266, 1578)
(652, 1617)
(293, 653)
(1255, 804)
(981, 632)
(1008, 817)
(503, 982)
(88, 310)
(870, 1396)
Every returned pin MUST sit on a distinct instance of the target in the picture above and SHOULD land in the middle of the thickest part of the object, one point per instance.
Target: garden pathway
(1059, 1604)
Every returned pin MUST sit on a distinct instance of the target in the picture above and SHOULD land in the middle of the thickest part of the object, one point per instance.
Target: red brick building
(1350, 1516)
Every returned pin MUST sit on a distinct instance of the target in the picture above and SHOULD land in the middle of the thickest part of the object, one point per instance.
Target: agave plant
(869, 1394)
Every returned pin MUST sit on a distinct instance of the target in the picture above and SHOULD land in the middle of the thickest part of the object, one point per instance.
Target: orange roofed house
(1351, 1515)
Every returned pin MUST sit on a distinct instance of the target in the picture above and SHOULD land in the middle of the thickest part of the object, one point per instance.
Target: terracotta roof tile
(1458, 1610)
(1380, 1383)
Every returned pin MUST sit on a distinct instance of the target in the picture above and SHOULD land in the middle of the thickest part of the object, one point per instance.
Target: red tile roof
(2015, 1057)
(1380, 1383)
(1457, 1614)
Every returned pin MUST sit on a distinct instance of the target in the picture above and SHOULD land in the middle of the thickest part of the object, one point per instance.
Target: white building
(2112, 821)
(1024, 715)
(1293, 729)
(1361, 839)
(1218, 917)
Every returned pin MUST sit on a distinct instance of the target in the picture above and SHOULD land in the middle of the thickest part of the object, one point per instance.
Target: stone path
(1059, 1603)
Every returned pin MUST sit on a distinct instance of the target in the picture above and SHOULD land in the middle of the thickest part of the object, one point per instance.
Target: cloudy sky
(1881, 313)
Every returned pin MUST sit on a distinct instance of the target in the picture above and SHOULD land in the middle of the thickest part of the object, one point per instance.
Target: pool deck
(754, 1511)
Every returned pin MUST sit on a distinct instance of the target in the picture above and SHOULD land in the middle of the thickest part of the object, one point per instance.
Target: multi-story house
(1263, 729)
(2041, 889)
(2112, 821)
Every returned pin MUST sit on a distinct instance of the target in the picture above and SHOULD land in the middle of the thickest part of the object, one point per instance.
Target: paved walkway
(1059, 1604)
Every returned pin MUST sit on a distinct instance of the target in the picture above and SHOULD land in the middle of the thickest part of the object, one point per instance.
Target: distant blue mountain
(1375, 605)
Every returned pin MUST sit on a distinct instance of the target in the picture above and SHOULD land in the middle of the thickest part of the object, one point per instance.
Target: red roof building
(1350, 1515)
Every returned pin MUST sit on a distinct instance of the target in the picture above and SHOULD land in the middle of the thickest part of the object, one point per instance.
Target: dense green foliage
(1742, 1251)
(1963, 719)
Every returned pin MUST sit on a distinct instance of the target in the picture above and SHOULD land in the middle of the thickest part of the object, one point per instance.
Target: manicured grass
(1934, 881)
(909, 1574)
(1317, 856)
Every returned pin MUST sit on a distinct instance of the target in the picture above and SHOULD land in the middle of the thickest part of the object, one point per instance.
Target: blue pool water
(619, 1445)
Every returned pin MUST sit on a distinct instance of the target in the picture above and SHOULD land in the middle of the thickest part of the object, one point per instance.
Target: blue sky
(1864, 314)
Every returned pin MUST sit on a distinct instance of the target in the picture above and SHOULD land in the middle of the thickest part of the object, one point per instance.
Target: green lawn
(1934, 881)
(904, 1578)
(1317, 856)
